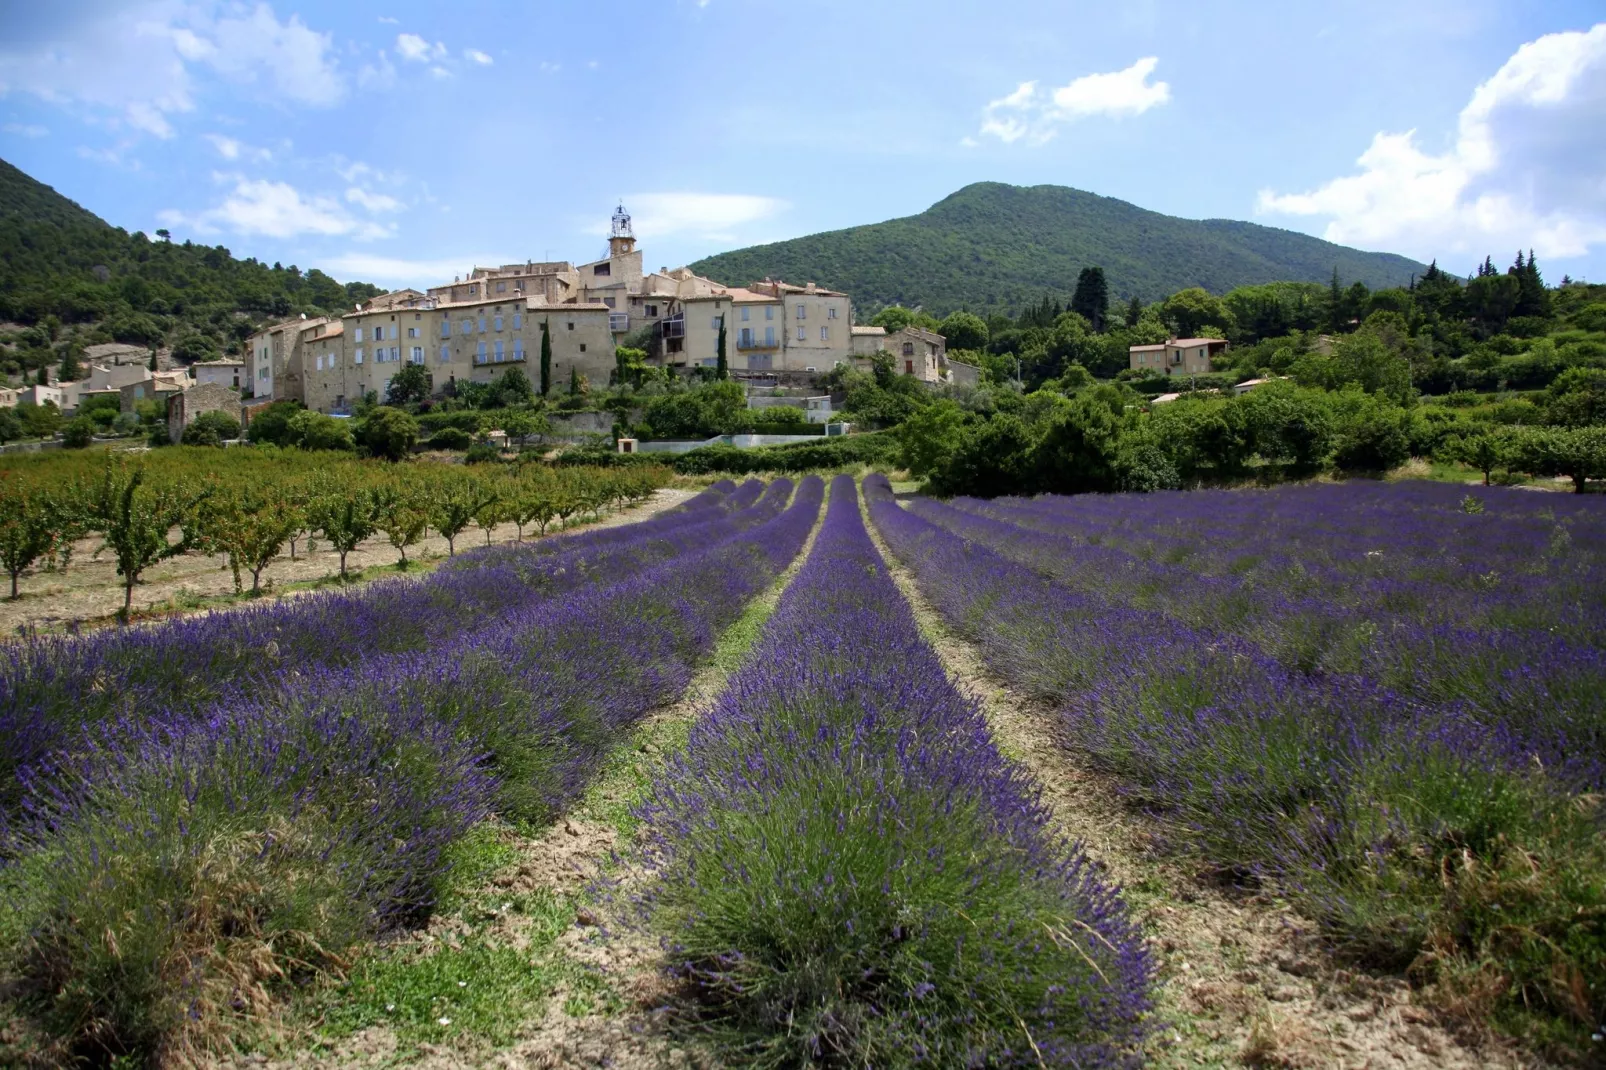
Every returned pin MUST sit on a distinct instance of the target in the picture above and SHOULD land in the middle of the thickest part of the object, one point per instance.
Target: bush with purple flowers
(168, 875)
(1388, 705)
(850, 872)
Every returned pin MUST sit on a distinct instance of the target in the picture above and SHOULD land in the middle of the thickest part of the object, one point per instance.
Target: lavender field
(1381, 704)
(1386, 702)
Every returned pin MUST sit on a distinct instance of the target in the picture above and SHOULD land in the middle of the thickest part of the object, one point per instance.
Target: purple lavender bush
(849, 870)
(54, 689)
(1448, 827)
(169, 875)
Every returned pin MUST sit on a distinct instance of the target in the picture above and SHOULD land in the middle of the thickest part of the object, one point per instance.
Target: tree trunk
(256, 581)
(292, 549)
(451, 546)
(13, 585)
(343, 563)
(1578, 484)
(128, 596)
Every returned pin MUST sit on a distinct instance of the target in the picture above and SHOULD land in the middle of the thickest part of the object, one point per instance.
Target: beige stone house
(185, 405)
(157, 387)
(230, 373)
(1179, 356)
(914, 351)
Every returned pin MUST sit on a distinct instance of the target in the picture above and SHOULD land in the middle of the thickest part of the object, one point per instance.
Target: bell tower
(621, 239)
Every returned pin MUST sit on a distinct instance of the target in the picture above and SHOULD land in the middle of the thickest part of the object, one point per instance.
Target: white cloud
(374, 202)
(476, 56)
(1525, 168)
(391, 269)
(387, 20)
(706, 215)
(26, 129)
(410, 46)
(233, 149)
(276, 210)
(139, 63)
(440, 72)
(1036, 114)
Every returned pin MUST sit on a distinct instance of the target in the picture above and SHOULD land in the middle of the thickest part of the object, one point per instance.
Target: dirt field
(90, 591)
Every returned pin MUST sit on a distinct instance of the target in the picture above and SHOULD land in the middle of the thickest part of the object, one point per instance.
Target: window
(446, 355)
(769, 312)
(652, 310)
(320, 363)
(472, 290)
(518, 321)
(908, 349)
(501, 287)
(830, 313)
(518, 349)
(497, 322)
(802, 333)
(412, 332)
(479, 353)
(395, 354)
(418, 354)
(582, 347)
(802, 312)
(602, 269)
(609, 302)
(357, 356)
(713, 323)
(359, 338)
(416, 316)
(825, 334)
(379, 332)
(499, 353)
(263, 374)
(571, 325)
(446, 328)
(769, 336)
(746, 314)
(482, 324)
(746, 338)
(908, 367)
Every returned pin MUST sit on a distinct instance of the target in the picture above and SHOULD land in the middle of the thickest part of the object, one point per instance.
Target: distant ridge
(996, 247)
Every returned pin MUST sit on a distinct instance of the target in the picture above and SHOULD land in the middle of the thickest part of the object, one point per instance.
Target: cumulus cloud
(26, 129)
(138, 65)
(275, 210)
(474, 55)
(707, 215)
(1524, 169)
(1035, 113)
(411, 47)
(374, 202)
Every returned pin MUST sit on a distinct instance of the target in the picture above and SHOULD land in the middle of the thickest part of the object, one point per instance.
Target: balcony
(618, 321)
(748, 341)
(674, 327)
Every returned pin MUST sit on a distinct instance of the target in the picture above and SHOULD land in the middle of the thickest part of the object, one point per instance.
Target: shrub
(272, 424)
(78, 433)
(316, 431)
(388, 433)
(211, 429)
(450, 438)
(482, 452)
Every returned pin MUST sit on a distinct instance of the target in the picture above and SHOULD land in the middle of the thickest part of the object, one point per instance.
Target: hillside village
(479, 325)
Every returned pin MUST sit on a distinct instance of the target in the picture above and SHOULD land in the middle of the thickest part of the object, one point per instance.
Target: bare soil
(89, 591)
(1243, 980)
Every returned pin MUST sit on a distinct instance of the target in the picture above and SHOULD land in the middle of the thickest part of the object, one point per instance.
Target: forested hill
(67, 271)
(992, 247)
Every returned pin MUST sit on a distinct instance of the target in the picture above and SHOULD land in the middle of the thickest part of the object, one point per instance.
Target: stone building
(1179, 356)
(185, 405)
(914, 351)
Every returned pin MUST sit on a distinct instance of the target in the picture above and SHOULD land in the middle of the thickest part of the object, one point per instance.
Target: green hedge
(467, 421)
(873, 448)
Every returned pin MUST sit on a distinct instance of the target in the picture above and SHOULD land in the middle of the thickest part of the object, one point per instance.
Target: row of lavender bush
(1528, 681)
(851, 873)
(52, 687)
(166, 884)
(1425, 835)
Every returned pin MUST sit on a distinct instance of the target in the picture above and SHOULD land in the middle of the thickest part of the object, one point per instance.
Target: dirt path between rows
(90, 589)
(1242, 980)
(602, 1011)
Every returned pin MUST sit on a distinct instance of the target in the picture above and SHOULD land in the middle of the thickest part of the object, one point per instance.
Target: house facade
(1179, 356)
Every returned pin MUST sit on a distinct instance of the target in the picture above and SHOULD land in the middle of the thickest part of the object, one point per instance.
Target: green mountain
(994, 247)
(74, 280)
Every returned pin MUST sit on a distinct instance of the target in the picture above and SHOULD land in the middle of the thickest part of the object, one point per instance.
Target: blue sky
(403, 142)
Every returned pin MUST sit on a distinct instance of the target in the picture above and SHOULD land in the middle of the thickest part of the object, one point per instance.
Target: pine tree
(1532, 297)
(546, 358)
(722, 366)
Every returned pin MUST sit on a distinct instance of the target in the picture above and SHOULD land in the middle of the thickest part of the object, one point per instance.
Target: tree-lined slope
(996, 247)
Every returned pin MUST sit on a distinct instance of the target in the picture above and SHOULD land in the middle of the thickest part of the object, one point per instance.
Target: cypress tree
(574, 381)
(1134, 311)
(546, 358)
(1092, 297)
(69, 364)
(722, 369)
(1335, 303)
(152, 365)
